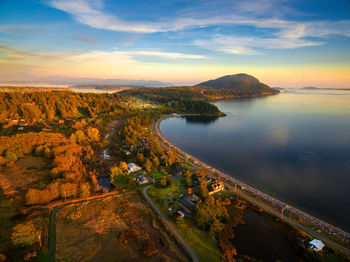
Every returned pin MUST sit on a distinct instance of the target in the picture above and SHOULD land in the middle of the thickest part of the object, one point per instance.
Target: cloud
(84, 39)
(169, 55)
(93, 56)
(265, 15)
(250, 45)
(18, 29)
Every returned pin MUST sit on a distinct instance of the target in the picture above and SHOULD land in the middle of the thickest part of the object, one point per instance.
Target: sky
(283, 43)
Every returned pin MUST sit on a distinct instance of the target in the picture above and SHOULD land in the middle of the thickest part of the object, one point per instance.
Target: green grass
(123, 181)
(187, 166)
(200, 241)
(156, 175)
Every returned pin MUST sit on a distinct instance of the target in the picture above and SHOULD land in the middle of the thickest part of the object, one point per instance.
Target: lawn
(201, 242)
(187, 166)
(156, 174)
(123, 181)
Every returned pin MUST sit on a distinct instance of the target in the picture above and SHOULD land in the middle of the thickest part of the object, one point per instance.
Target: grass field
(187, 166)
(156, 175)
(200, 241)
(123, 181)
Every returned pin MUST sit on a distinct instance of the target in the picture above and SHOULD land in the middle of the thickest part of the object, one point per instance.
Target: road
(170, 226)
(52, 223)
(165, 143)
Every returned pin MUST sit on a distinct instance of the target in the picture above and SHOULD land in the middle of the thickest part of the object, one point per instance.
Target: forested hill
(55, 105)
(238, 82)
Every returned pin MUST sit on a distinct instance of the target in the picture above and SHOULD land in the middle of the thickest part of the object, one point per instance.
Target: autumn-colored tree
(93, 134)
(10, 156)
(116, 171)
(140, 158)
(148, 165)
(123, 166)
(188, 176)
(84, 190)
(25, 234)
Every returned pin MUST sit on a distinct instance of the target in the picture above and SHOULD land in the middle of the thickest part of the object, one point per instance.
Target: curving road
(170, 226)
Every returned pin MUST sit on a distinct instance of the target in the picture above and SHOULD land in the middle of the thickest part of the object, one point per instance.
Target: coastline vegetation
(63, 159)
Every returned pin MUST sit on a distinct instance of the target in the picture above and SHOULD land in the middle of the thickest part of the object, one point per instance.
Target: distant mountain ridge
(236, 82)
(60, 80)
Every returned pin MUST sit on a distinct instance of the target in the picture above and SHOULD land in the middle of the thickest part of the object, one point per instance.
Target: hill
(239, 82)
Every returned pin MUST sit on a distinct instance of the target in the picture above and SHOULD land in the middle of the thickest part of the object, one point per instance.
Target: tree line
(54, 105)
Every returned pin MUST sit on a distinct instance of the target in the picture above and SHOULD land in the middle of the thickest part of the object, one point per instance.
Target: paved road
(267, 208)
(170, 226)
(52, 223)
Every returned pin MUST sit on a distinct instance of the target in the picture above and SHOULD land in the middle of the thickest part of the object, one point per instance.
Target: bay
(294, 146)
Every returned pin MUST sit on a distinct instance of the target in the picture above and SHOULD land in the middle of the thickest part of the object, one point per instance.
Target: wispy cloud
(20, 29)
(169, 55)
(284, 34)
(250, 45)
(115, 56)
(85, 39)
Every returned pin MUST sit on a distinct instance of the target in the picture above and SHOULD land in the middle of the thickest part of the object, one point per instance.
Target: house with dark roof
(189, 202)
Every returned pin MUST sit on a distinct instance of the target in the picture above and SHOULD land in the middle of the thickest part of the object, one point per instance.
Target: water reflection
(294, 146)
(201, 120)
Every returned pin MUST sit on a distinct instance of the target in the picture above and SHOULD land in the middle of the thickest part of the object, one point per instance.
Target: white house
(142, 180)
(133, 167)
(316, 245)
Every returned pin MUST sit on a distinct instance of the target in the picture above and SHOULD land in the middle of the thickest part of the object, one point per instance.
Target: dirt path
(170, 226)
(52, 223)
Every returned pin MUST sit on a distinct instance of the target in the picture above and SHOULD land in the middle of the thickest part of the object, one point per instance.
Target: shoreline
(315, 224)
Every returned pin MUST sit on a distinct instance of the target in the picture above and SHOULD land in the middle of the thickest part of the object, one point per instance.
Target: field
(113, 229)
(156, 175)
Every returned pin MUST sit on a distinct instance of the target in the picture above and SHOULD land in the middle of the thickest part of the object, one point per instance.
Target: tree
(163, 182)
(123, 166)
(148, 165)
(116, 171)
(93, 134)
(188, 176)
(171, 157)
(25, 234)
(10, 156)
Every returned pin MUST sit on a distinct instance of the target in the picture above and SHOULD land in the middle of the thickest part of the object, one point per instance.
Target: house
(316, 245)
(127, 152)
(132, 167)
(141, 179)
(189, 202)
(215, 187)
(177, 170)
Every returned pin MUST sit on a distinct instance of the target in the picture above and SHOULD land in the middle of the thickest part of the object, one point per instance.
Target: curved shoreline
(277, 205)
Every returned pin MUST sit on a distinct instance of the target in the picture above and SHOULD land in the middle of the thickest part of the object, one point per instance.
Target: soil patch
(112, 229)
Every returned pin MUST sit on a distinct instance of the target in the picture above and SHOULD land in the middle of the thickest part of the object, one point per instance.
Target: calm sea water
(294, 146)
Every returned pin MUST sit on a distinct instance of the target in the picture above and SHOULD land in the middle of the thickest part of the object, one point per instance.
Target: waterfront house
(215, 187)
(316, 245)
(132, 167)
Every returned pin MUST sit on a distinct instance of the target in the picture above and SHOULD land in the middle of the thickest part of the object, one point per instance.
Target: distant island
(318, 88)
(236, 82)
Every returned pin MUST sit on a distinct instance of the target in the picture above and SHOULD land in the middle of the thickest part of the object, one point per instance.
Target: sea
(294, 146)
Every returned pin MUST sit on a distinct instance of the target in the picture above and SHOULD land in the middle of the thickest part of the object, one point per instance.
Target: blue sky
(283, 43)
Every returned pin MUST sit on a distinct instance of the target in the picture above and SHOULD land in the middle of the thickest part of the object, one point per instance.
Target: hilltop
(239, 82)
